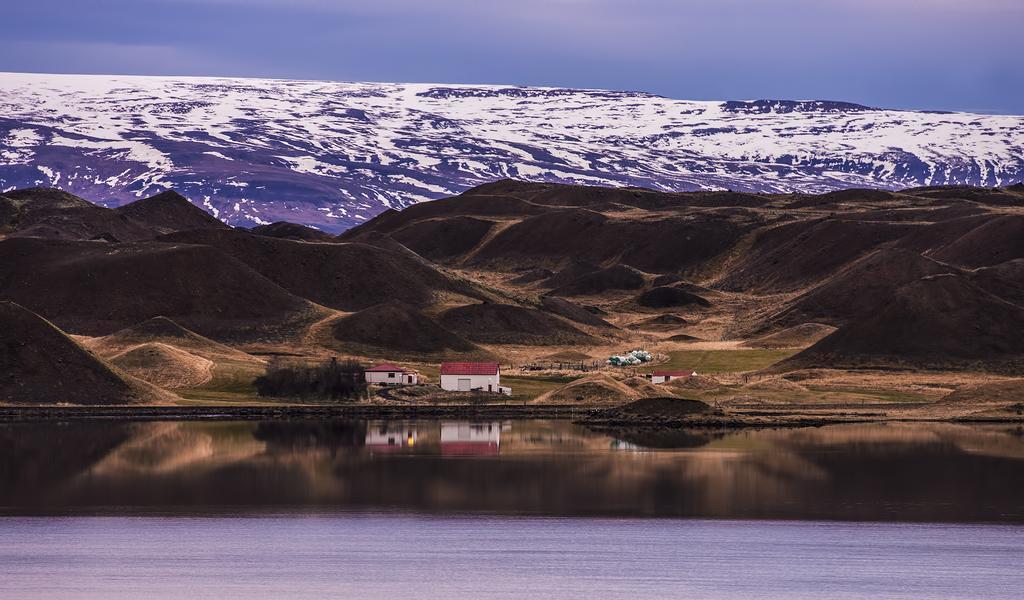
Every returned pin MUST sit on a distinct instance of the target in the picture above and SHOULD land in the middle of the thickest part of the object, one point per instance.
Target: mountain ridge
(333, 155)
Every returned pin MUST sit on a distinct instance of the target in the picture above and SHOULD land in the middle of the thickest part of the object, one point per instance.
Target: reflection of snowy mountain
(334, 154)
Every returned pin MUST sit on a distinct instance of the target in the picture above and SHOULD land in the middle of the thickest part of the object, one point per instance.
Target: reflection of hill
(673, 438)
(292, 435)
(913, 472)
(173, 447)
(38, 458)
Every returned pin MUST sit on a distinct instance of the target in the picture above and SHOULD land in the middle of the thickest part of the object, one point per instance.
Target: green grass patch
(869, 395)
(709, 362)
(528, 387)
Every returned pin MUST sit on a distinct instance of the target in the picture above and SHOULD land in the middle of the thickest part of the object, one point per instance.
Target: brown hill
(476, 202)
(42, 365)
(292, 231)
(665, 297)
(507, 324)
(618, 277)
(573, 312)
(657, 410)
(995, 241)
(531, 276)
(164, 365)
(96, 288)
(592, 390)
(655, 245)
(441, 239)
(50, 213)
(1005, 280)
(793, 256)
(682, 337)
(941, 321)
(797, 336)
(163, 331)
(345, 276)
(859, 289)
(660, 323)
(396, 327)
(169, 211)
(1007, 390)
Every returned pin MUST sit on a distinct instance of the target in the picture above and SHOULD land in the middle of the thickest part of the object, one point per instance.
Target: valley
(849, 306)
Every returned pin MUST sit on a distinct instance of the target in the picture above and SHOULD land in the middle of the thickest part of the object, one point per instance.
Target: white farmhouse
(472, 376)
(666, 376)
(389, 374)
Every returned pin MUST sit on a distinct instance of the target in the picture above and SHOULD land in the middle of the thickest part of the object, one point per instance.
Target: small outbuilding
(389, 374)
(666, 376)
(472, 377)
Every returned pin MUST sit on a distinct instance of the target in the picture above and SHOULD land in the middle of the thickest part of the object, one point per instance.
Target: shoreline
(591, 416)
(13, 414)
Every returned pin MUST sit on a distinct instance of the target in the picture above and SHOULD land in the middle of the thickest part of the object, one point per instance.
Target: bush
(332, 380)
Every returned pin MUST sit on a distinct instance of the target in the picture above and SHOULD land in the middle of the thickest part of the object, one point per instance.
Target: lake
(311, 509)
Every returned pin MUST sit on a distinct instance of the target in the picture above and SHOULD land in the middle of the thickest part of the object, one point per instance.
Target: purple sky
(926, 54)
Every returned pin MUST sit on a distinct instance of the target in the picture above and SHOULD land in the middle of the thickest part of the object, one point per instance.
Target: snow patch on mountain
(334, 154)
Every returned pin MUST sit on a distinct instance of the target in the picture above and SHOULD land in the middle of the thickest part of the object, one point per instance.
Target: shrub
(331, 380)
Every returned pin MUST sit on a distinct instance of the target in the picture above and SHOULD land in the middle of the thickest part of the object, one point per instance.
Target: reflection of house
(386, 438)
(666, 376)
(470, 439)
(472, 376)
(388, 374)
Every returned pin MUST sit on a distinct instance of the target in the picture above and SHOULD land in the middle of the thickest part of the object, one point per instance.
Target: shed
(389, 374)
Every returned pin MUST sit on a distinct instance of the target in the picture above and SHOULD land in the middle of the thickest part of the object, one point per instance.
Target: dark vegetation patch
(332, 380)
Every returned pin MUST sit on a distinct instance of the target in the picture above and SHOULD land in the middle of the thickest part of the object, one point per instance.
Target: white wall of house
(391, 378)
(465, 383)
(667, 378)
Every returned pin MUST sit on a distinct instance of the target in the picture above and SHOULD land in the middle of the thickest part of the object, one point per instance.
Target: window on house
(391, 375)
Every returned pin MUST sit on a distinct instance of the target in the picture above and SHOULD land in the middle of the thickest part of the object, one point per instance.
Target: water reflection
(876, 472)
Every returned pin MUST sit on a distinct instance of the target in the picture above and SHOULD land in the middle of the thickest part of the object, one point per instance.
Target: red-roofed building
(472, 376)
(389, 374)
(666, 376)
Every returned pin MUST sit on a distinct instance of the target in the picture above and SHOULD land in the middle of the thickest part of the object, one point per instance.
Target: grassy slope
(709, 362)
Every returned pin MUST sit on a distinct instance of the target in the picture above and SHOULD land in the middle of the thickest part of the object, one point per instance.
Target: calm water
(508, 509)
(375, 556)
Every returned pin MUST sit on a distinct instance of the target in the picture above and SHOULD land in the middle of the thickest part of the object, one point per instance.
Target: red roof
(673, 373)
(386, 367)
(469, 368)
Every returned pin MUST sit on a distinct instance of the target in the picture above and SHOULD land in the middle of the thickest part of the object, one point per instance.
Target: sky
(919, 54)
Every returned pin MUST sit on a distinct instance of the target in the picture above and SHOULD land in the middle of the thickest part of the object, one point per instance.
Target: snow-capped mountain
(333, 154)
